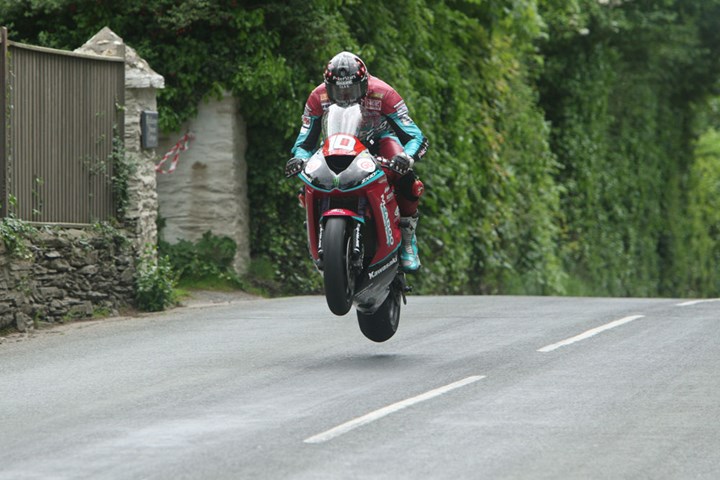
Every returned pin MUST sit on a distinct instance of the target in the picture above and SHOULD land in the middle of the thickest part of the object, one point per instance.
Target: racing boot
(409, 258)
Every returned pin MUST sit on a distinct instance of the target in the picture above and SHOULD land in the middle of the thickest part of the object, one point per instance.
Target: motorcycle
(352, 221)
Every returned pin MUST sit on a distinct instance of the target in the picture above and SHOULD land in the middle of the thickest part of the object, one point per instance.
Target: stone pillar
(208, 189)
(141, 85)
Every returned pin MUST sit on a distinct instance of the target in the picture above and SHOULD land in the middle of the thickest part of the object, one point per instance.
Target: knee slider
(417, 188)
(410, 186)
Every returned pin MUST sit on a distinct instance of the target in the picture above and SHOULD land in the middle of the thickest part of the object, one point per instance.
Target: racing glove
(294, 166)
(401, 163)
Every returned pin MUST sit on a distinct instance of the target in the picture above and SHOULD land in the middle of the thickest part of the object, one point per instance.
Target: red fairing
(341, 144)
(386, 215)
(383, 211)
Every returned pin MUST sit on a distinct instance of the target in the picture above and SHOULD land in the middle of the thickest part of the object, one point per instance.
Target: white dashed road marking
(590, 333)
(695, 302)
(377, 414)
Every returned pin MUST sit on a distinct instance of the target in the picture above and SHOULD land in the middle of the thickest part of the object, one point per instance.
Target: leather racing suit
(387, 130)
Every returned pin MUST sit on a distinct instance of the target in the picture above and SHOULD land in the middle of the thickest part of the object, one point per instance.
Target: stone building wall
(208, 189)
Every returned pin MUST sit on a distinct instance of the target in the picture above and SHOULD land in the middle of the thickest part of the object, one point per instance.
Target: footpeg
(402, 286)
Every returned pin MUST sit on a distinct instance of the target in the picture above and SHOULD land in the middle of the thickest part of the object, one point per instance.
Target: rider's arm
(307, 140)
(409, 134)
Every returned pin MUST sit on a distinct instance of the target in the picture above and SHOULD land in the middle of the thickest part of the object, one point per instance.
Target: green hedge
(563, 155)
(623, 96)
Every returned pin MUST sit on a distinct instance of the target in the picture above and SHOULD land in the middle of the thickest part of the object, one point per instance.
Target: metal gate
(61, 113)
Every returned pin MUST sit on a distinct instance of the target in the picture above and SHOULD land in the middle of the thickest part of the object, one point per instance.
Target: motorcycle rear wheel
(382, 324)
(337, 273)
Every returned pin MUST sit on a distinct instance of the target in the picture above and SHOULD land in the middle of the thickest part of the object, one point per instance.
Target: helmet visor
(346, 94)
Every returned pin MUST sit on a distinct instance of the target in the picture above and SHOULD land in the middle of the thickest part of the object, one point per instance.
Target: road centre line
(695, 302)
(590, 333)
(380, 413)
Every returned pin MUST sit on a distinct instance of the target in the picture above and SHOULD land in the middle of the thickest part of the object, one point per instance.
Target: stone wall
(141, 215)
(60, 274)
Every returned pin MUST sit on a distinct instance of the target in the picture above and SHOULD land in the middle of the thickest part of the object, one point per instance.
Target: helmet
(346, 78)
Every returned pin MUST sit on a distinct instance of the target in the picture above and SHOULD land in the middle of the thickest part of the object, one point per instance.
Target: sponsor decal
(367, 165)
(384, 268)
(402, 113)
(423, 149)
(368, 178)
(313, 165)
(401, 108)
(386, 222)
(373, 104)
(344, 82)
(335, 211)
(379, 95)
(306, 121)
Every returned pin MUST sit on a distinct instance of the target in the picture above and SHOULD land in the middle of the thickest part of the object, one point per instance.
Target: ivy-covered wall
(564, 154)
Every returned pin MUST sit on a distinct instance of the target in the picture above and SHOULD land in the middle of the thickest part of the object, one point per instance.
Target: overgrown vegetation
(14, 233)
(623, 95)
(124, 167)
(572, 142)
(205, 263)
(154, 282)
(702, 232)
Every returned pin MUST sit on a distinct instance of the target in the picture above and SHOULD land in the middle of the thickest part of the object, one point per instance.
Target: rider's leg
(408, 189)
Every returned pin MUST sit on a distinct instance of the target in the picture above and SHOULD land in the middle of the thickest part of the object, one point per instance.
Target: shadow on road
(379, 361)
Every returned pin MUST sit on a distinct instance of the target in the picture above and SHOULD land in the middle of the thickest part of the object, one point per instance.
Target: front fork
(357, 246)
(356, 254)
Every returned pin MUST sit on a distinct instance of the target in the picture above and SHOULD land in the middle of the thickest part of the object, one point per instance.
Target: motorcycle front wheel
(337, 274)
(382, 324)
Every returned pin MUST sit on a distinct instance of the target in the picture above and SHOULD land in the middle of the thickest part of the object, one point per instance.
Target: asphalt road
(470, 387)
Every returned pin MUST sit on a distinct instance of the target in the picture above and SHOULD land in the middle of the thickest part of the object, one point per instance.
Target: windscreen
(342, 120)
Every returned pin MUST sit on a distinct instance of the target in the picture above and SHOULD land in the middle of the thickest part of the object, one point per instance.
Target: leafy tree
(563, 133)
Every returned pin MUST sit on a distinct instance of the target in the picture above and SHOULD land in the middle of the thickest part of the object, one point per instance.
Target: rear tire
(337, 274)
(382, 324)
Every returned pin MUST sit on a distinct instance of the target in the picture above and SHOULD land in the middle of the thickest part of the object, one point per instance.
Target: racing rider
(388, 131)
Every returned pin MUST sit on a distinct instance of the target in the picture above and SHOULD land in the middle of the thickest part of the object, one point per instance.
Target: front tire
(382, 324)
(337, 274)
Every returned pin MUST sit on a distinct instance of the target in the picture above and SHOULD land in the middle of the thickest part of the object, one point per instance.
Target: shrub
(155, 283)
(210, 258)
